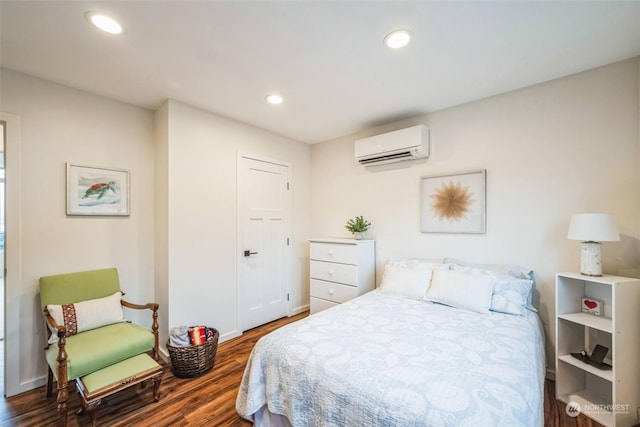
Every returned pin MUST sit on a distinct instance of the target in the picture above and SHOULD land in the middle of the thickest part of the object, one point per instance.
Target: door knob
(249, 253)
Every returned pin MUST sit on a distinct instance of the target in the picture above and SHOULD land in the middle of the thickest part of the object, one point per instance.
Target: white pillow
(409, 282)
(85, 315)
(461, 290)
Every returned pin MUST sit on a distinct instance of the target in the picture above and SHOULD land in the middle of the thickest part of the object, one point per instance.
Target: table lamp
(591, 229)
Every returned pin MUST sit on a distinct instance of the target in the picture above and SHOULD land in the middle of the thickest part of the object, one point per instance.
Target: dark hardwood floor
(208, 400)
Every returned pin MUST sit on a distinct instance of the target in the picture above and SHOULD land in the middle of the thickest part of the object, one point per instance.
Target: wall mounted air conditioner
(404, 144)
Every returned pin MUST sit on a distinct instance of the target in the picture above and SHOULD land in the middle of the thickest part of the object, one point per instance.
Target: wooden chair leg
(49, 382)
(62, 414)
(156, 387)
(63, 382)
(63, 395)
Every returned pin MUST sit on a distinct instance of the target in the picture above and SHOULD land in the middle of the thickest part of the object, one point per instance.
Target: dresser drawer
(332, 272)
(334, 252)
(332, 291)
(318, 304)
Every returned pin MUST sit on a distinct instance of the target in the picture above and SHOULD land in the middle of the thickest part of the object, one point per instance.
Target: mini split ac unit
(404, 144)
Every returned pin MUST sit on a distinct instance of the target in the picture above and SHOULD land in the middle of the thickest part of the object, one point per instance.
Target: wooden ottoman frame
(96, 386)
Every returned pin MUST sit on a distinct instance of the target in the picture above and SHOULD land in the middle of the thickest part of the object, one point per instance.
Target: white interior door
(263, 258)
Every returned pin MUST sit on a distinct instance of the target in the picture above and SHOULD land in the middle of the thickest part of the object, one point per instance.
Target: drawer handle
(330, 253)
(330, 291)
(330, 272)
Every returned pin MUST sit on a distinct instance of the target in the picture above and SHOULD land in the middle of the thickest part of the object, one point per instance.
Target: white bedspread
(382, 360)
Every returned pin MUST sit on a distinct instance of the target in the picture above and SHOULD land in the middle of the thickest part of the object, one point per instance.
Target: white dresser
(340, 269)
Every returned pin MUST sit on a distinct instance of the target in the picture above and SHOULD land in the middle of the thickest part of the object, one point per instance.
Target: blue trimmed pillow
(419, 263)
(511, 295)
(508, 269)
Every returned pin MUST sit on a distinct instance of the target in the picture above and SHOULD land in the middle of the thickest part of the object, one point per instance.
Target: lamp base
(591, 259)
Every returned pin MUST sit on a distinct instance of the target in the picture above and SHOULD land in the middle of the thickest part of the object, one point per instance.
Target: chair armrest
(151, 306)
(62, 352)
(52, 325)
(154, 327)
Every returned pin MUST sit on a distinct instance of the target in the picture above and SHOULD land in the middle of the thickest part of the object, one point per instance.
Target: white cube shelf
(610, 397)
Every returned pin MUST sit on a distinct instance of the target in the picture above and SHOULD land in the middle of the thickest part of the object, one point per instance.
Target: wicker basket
(193, 361)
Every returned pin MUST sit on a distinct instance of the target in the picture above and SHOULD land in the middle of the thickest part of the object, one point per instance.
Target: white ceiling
(325, 58)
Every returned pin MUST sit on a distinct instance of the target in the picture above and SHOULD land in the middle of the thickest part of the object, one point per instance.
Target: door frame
(289, 228)
(13, 251)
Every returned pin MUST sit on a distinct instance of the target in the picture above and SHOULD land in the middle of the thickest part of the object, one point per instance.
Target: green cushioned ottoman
(120, 376)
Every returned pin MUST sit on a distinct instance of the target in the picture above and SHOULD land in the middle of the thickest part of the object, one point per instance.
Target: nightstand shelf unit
(610, 397)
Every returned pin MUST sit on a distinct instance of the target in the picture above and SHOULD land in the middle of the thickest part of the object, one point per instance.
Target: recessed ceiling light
(104, 22)
(274, 99)
(397, 39)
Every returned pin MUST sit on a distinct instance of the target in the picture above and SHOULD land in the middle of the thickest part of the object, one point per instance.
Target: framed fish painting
(97, 191)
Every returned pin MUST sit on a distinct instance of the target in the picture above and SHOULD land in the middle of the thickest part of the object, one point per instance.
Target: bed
(394, 356)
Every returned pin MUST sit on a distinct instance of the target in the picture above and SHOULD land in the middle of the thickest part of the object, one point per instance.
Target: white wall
(550, 150)
(61, 125)
(201, 214)
(178, 246)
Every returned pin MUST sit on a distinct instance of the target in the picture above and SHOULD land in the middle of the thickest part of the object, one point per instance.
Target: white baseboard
(30, 385)
(164, 354)
(235, 334)
(551, 375)
(299, 310)
(228, 336)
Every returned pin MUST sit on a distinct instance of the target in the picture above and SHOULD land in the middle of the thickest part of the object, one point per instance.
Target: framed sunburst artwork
(454, 203)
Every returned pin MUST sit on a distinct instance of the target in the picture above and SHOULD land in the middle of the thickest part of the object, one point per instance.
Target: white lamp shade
(593, 227)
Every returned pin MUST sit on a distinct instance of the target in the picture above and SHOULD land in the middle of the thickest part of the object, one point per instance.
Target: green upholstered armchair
(89, 333)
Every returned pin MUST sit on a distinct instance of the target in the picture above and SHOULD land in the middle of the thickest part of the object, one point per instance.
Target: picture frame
(97, 191)
(453, 203)
(592, 306)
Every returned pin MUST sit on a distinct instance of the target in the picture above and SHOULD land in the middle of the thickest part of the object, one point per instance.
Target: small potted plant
(358, 226)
